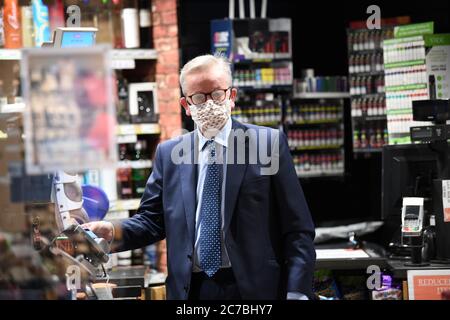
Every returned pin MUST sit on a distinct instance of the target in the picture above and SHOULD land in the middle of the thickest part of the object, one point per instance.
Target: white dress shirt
(221, 144)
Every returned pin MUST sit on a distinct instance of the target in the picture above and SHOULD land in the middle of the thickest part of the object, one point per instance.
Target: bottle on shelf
(118, 41)
(56, 15)
(103, 21)
(41, 22)
(145, 24)
(124, 181)
(139, 180)
(12, 24)
(26, 12)
(123, 114)
(2, 29)
(130, 24)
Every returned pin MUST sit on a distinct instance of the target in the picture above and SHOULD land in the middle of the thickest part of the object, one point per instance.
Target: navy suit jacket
(268, 228)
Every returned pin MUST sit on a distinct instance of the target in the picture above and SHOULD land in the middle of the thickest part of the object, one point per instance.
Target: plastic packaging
(41, 22)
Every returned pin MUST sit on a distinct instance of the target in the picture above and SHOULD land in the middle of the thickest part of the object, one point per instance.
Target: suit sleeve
(297, 227)
(147, 226)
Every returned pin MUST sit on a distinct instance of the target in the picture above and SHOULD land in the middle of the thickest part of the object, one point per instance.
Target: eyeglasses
(217, 95)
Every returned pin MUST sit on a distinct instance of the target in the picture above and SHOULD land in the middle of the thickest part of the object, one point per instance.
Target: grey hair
(202, 62)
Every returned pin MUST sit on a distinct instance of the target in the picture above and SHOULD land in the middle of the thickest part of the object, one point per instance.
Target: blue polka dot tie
(210, 247)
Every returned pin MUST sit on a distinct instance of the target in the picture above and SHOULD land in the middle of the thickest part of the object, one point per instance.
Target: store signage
(374, 21)
(74, 17)
(428, 284)
(221, 37)
(416, 29)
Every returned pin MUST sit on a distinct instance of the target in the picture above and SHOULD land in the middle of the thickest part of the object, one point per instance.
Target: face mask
(211, 116)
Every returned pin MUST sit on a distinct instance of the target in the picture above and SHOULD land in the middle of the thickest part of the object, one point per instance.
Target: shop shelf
(370, 118)
(336, 173)
(322, 95)
(325, 147)
(9, 108)
(367, 150)
(121, 54)
(138, 129)
(140, 164)
(283, 87)
(124, 205)
(312, 122)
(10, 54)
(135, 54)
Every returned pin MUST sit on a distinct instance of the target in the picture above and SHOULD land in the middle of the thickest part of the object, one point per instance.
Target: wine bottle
(2, 29)
(145, 23)
(12, 25)
(27, 26)
(130, 26)
(56, 14)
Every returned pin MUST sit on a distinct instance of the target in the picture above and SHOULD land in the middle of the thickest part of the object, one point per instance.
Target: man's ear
(233, 95)
(185, 105)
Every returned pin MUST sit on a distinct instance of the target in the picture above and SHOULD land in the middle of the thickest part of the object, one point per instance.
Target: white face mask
(211, 116)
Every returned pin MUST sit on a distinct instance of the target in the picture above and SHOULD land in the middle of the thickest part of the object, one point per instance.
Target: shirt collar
(221, 137)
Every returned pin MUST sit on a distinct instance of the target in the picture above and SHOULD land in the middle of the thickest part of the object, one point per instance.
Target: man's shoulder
(249, 126)
(255, 132)
(169, 144)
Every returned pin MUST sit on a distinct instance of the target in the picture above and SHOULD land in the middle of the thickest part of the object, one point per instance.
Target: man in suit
(227, 200)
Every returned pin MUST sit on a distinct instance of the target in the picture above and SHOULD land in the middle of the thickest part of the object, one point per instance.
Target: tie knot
(211, 150)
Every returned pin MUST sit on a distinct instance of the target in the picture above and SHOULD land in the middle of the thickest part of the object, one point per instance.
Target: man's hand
(103, 229)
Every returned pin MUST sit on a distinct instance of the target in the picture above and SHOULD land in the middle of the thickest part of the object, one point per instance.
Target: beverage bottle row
(263, 77)
(366, 85)
(312, 83)
(121, 23)
(315, 138)
(131, 182)
(268, 113)
(319, 163)
(134, 151)
(368, 106)
(313, 113)
(368, 39)
(366, 138)
(370, 62)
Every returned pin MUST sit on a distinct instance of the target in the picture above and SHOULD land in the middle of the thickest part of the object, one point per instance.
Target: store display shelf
(119, 54)
(123, 205)
(267, 124)
(10, 108)
(139, 164)
(10, 54)
(136, 54)
(314, 148)
(367, 150)
(268, 87)
(138, 129)
(320, 174)
(277, 58)
(368, 95)
(359, 51)
(366, 73)
(313, 122)
(369, 118)
(322, 95)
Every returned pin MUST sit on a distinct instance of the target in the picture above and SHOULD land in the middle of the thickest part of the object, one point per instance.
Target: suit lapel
(189, 183)
(235, 174)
